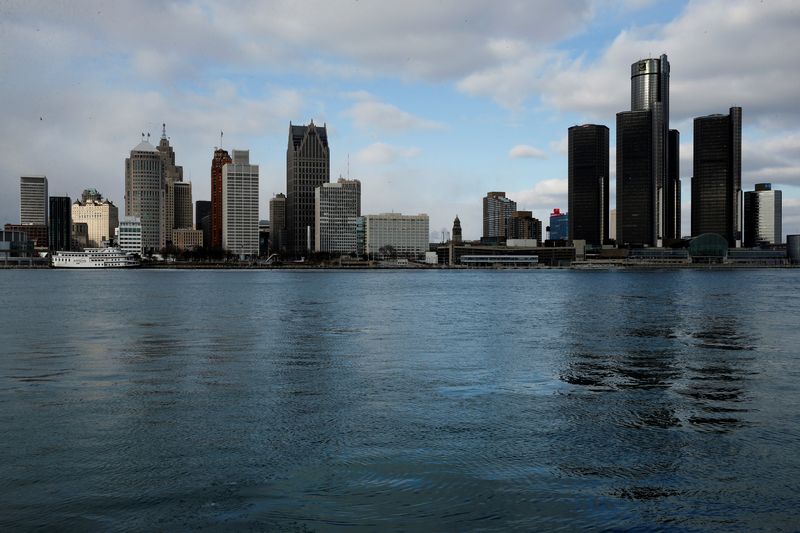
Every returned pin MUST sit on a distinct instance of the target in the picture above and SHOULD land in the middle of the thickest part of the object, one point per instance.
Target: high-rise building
(497, 211)
(240, 205)
(559, 225)
(182, 198)
(129, 235)
(588, 177)
(396, 235)
(220, 159)
(202, 220)
(336, 208)
(717, 180)
(100, 215)
(144, 193)
(522, 225)
(277, 219)
(648, 184)
(33, 204)
(60, 236)
(763, 216)
(307, 167)
(171, 175)
(457, 238)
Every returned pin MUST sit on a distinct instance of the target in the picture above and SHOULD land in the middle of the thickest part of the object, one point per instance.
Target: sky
(430, 104)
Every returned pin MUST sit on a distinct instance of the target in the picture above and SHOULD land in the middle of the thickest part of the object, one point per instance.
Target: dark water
(481, 400)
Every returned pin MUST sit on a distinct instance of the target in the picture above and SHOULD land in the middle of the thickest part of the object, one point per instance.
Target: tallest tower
(648, 182)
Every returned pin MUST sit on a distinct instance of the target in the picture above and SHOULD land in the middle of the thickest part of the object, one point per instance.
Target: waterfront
(430, 400)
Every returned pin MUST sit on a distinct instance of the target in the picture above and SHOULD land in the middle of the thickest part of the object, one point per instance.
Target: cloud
(383, 154)
(374, 115)
(526, 151)
(542, 197)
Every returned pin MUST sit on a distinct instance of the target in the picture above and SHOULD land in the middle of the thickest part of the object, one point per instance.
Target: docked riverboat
(95, 258)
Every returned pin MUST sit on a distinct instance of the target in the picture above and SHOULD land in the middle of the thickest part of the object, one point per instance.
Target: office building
(182, 198)
(172, 174)
(307, 167)
(187, 238)
(263, 238)
(523, 226)
(277, 219)
(202, 220)
(36, 233)
(144, 194)
(80, 236)
(60, 228)
(240, 205)
(559, 225)
(129, 235)
(457, 238)
(336, 208)
(717, 180)
(588, 175)
(33, 195)
(101, 217)
(390, 235)
(497, 211)
(220, 159)
(648, 184)
(763, 216)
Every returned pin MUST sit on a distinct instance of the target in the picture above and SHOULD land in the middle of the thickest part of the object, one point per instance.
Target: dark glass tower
(660, 176)
(717, 180)
(307, 167)
(202, 220)
(763, 216)
(60, 223)
(588, 184)
(221, 158)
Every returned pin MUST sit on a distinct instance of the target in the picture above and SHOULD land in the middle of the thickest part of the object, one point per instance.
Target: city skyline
(426, 126)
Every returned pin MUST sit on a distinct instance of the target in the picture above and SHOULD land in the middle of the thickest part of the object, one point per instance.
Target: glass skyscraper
(588, 185)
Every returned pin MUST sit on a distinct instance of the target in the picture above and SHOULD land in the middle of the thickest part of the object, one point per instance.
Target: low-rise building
(390, 235)
(187, 239)
(129, 235)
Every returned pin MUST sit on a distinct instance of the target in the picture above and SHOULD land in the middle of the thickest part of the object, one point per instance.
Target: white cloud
(542, 197)
(382, 154)
(374, 115)
(527, 151)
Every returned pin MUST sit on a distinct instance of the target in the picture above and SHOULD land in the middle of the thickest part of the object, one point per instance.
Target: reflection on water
(300, 401)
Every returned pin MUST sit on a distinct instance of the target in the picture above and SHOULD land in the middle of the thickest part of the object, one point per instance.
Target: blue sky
(433, 103)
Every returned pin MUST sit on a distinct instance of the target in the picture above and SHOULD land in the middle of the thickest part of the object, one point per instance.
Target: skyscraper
(60, 236)
(763, 216)
(717, 180)
(588, 184)
(202, 220)
(221, 158)
(100, 215)
(307, 167)
(144, 193)
(522, 225)
(337, 206)
(648, 184)
(277, 220)
(240, 205)
(33, 204)
(171, 174)
(497, 211)
(182, 204)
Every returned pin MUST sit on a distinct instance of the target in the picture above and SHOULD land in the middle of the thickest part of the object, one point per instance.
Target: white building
(388, 234)
(144, 193)
(240, 205)
(337, 207)
(129, 235)
(101, 218)
(33, 200)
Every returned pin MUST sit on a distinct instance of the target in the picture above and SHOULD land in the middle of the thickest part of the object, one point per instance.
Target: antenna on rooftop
(348, 165)
(220, 139)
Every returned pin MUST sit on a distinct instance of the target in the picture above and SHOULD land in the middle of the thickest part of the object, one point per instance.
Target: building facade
(240, 205)
(336, 208)
(187, 238)
(648, 183)
(396, 235)
(588, 177)
(220, 159)
(182, 218)
(307, 167)
(144, 194)
(277, 219)
(202, 220)
(717, 181)
(457, 237)
(33, 203)
(763, 216)
(38, 234)
(522, 225)
(497, 211)
(80, 236)
(172, 174)
(60, 228)
(129, 235)
(100, 216)
(559, 225)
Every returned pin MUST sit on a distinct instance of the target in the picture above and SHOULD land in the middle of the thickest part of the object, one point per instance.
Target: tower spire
(163, 130)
